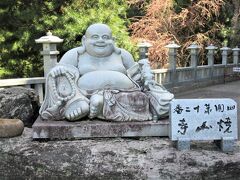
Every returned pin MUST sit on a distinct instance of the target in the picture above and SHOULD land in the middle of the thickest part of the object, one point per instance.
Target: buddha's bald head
(98, 29)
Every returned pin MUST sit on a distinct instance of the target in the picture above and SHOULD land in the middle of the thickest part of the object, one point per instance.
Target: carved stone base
(57, 130)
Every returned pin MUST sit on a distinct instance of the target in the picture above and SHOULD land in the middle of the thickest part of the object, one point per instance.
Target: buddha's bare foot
(76, 110)
(96, 105)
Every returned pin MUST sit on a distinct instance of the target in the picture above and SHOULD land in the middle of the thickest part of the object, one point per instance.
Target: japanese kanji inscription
(203, 119)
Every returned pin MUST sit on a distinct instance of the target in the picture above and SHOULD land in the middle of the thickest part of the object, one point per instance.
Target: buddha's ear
(113, 38)
(83, 40)
(82, 48)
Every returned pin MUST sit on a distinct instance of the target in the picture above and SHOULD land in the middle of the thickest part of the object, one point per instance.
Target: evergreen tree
(23, 21)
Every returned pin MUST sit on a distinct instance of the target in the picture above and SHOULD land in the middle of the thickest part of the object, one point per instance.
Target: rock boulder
(19, 103)
(10, 127)
(113, 159)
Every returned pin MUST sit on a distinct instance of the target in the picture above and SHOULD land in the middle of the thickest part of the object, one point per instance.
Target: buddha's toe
(79, 110)
(93, 112)
(76, 110)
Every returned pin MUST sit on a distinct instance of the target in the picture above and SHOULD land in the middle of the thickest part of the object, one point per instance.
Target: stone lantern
(49, 51)
(143, 49)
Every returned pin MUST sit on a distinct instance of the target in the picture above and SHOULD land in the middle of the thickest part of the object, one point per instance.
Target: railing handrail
(21, 81)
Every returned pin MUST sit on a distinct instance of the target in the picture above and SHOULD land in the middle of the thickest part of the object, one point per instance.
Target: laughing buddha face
(98, 40)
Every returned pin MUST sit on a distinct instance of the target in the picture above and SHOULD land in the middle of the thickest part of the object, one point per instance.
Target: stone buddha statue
(100, 80)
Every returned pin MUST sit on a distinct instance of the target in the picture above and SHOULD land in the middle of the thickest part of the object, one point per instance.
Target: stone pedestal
(56, 130)
(183, 144)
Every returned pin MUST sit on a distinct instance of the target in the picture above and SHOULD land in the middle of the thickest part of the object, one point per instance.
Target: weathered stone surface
(95, 128)
(19, 103)
(11, 127)
(146, 158)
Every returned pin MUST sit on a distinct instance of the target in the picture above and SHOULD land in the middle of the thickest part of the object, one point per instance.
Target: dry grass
(161, 25)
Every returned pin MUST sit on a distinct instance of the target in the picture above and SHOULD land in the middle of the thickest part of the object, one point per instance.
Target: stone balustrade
(176, 78)
(36, 83)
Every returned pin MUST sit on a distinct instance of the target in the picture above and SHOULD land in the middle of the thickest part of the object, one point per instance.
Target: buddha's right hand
(57, 71)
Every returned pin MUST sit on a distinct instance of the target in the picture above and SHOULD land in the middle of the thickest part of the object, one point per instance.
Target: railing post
(39, 89)
(143, 49)
(194, 50)
(236, 55)
(49, 52)
(172, 60)
(224, 59)
(210, 56)
(224, 55)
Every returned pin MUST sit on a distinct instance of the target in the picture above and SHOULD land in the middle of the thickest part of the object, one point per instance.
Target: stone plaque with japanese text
(203, 119)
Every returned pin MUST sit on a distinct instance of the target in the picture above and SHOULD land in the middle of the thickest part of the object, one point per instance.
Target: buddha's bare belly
(99, 80)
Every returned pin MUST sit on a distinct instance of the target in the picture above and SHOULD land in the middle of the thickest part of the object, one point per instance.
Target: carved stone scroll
(126, 106)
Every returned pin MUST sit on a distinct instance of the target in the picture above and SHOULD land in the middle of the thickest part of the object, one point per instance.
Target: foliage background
(23, 21)
(156, 21)
(204, 22)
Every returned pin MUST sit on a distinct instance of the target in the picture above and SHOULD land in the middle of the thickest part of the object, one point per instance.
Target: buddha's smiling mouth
(100, 45)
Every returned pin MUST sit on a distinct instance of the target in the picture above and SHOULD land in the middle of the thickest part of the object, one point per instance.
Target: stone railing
(172, 78)
(36, 83)
(194, 75)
